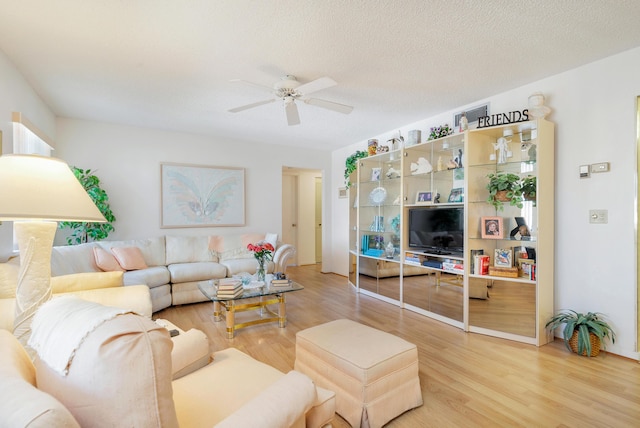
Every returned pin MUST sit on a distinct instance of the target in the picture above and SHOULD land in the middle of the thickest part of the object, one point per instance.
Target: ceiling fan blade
(291, 109)
(252, 105)
(330, 105)
(257, 85)
(316, 85)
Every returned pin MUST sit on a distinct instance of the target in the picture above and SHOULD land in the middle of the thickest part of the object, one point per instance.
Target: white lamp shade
(41, 188)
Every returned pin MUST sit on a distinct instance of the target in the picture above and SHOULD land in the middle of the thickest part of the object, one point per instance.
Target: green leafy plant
(85, 232)
(351, 164)
(529, 186)
(584, 325)
(507, 183)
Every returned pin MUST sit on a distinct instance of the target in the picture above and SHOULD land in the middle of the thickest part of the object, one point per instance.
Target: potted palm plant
(504, 187)
(583, 334)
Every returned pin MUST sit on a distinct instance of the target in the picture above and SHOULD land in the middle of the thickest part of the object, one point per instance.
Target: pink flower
(262, 251)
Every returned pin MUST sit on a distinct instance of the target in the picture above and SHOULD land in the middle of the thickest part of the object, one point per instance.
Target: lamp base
(35, 240)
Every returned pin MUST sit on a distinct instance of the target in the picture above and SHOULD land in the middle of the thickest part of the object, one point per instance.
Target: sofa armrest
(282, 256)
(294, 394)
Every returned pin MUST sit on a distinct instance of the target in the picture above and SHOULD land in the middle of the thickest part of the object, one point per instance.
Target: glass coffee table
(265, 296)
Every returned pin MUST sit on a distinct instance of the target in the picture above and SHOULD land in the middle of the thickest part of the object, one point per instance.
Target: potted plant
(504, 187)
(351, 164)
(83, 232)
(529, 186)
(583, 334)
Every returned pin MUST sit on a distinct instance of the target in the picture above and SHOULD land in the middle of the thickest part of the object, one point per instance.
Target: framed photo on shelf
(492, 227)
(375, 174)
(456, 195)
(503, 257)
(524, 267)
(424, 197)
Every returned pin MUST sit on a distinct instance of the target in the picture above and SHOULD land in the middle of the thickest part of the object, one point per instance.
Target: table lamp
(36, 192)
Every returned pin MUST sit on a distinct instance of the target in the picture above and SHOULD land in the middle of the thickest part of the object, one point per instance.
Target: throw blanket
(60, 326)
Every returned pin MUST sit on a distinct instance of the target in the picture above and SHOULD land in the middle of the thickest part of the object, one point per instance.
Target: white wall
(594, 108)
(127, 160)
(17, 95)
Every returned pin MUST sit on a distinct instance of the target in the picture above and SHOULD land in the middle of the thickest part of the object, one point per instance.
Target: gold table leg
(282, 312)
(217, 311)
(231, 319)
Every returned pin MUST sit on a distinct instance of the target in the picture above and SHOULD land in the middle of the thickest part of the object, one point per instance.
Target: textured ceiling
(166, 64)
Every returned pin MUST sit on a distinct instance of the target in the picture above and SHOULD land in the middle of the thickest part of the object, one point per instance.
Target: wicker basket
(595, 344)
(501, 195)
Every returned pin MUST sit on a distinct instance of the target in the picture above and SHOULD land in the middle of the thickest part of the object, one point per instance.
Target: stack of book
(229, 287)
(280, 282)
(412, 259)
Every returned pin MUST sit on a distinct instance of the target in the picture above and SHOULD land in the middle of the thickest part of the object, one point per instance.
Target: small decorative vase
(260, 273)
(390, 250)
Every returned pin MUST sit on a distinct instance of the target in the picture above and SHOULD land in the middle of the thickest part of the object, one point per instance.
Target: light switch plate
(600, 167)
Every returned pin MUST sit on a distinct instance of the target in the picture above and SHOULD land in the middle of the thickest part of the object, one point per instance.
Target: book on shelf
(506, 272)
(481, 264)
(453, 267)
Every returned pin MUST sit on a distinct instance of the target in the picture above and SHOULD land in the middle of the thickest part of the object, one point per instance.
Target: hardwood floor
(467, 380)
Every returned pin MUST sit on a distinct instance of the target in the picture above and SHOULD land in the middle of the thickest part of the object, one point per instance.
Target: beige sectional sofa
(173, 266)
(144, 376)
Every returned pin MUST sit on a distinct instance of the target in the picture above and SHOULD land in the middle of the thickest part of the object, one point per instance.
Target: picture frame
(424, 197)
(524, 267)
(376, 173)
(201, 196)
(503, 257)
(492, 227)
(456, 195)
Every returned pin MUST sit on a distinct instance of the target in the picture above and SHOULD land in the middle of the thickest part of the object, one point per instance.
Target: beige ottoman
(374, 374)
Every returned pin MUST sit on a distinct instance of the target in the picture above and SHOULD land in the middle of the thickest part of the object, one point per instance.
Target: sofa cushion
(232, 246)
(21, 403)
(130, 258)
(105, 260)
(86, 280)
(295, 389)
(230, 366)
(120, 374)
(186, 249)
(152, 277)
(196, 271)
(153, 249)
(271, 238)
(236, 266)
(67, 259)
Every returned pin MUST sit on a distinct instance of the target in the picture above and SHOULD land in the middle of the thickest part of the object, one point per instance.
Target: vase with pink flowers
(263, 252)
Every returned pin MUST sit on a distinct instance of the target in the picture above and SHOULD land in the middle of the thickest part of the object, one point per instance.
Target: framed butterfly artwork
(201, 196)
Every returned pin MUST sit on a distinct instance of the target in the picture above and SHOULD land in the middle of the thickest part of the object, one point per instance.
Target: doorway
(302, 213)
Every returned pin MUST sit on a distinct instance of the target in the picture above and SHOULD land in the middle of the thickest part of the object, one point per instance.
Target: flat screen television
(437, 230)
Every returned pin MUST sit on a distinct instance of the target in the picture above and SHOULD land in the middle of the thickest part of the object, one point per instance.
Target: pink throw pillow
(105, 260)
(130, 258)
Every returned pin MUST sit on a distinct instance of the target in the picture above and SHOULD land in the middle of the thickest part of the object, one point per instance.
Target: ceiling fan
(288, 89)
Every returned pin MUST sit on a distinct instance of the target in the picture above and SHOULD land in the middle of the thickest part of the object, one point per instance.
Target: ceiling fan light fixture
(288, 89)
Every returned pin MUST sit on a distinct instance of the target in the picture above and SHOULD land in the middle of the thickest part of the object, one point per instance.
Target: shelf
(503, 278)
(527, 302)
